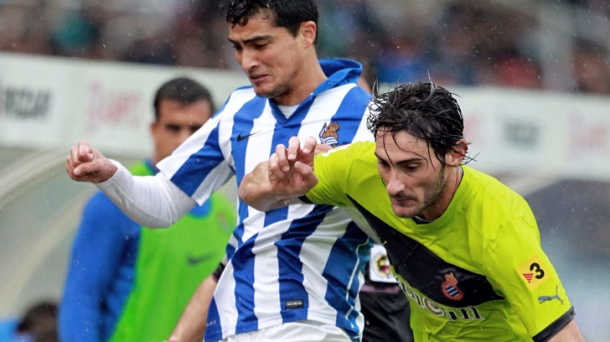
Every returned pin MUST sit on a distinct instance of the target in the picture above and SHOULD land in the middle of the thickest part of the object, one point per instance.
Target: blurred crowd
(453, 42)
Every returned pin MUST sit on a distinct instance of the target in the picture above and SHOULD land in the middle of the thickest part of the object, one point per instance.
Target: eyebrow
(401, 162)
(250, 40)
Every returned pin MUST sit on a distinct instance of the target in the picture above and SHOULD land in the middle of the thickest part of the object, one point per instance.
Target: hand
(321, 148)
(86, 164)
(291, 169)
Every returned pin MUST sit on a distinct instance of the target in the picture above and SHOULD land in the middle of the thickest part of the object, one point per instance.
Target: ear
(456, 155)
(153, 127)
(308, 32)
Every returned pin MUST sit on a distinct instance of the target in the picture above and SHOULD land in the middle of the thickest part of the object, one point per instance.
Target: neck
(156, 158)
(306, 81)
(438, 208)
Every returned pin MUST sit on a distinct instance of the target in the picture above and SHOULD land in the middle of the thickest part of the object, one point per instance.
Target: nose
(394, 185)
(248, 59)
(184, 134)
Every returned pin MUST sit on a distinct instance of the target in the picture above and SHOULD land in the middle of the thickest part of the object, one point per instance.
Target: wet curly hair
(422, 109)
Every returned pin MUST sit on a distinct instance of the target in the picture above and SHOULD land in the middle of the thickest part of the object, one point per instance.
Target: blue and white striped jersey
(294, 263)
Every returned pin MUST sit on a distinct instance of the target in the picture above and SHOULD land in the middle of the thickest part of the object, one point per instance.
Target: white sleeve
(152, 201)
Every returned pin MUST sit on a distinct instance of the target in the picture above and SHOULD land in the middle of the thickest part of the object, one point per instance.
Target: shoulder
(493, 207)
(347, 91)
(239, 98)
(357, 151)
(495, 194)
(356, 160)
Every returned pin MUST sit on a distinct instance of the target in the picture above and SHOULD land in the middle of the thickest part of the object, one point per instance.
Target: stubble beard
(277, 92)
(431, 195)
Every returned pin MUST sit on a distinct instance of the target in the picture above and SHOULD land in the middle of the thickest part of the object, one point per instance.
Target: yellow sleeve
(516, 264)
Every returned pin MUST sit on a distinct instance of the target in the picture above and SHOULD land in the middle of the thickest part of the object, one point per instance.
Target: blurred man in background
(128, 283)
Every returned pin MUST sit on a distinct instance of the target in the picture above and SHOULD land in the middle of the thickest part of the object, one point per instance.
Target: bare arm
(287, 175)
(569, 333)
(192, 323)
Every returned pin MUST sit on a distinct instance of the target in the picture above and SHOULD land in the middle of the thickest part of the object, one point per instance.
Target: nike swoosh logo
(241, 137)
(193, 261)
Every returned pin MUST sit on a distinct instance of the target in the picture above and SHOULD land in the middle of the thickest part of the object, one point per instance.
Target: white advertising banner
(543, 133)
(31, 101)
(55, 102)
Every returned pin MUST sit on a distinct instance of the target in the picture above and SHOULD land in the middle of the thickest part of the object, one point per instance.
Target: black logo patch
(294, 304)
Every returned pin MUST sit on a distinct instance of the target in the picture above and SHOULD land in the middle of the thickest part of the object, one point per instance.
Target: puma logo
(543, 299)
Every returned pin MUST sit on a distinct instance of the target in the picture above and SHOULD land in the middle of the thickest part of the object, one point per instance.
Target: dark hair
(422, 109)
(40, 320)
(183, 90)
(286, 13)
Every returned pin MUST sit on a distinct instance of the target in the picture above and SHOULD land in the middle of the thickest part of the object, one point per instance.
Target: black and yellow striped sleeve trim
(555, 327)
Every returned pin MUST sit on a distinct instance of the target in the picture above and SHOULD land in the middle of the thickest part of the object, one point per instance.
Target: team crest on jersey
(450, 288)
(329, 134)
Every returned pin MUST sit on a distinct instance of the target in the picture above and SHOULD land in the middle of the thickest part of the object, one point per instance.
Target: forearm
(569, 333)
(151, 201)
(192, 324)
(256, 190)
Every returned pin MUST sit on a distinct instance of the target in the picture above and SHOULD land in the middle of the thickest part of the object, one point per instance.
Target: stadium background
(533, 79)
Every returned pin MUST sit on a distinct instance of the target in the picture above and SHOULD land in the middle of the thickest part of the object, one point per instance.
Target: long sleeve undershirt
(152, 201)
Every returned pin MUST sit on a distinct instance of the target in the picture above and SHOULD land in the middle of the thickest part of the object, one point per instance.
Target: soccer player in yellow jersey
(465, 248)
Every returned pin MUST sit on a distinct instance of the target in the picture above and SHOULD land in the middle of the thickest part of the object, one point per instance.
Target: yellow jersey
(477, 273)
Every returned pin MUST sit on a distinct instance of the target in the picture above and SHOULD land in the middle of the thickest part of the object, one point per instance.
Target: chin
(405, 212)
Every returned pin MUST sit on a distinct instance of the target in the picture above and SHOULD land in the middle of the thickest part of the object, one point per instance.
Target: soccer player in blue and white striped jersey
(293, 274)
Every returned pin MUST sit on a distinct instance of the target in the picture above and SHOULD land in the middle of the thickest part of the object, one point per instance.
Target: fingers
(321, 148)
(79, 154)
(282, 157)
(294, 145)
(84, 163)
(294, 151)
(310, 144)
(309, 178)
(275, 171)
(84, 152)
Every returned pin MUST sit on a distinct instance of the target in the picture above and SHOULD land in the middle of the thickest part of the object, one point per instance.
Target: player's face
(177, 122)
(271, 57)
(413, 175)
